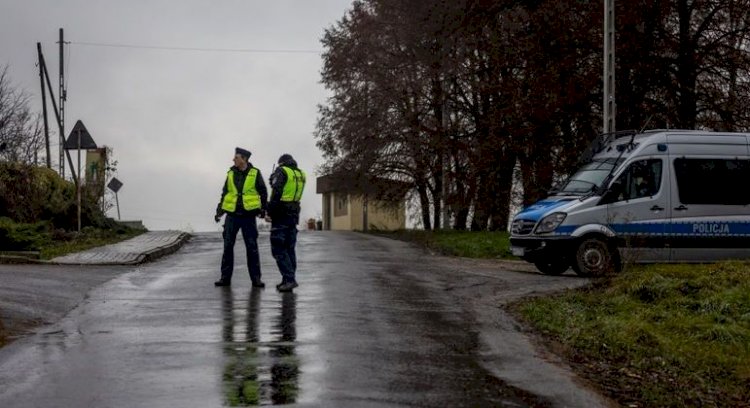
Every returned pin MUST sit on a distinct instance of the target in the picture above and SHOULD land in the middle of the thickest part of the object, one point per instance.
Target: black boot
(286, 287)
(223, 282)
(258, 284)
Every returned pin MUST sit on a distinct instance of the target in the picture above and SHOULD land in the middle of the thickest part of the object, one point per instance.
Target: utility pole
(609, 67)
(57, 116)
(44, 104)
(445, 162)
(62, 93)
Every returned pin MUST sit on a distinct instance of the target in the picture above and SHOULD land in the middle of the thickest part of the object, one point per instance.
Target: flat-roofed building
(373, 204)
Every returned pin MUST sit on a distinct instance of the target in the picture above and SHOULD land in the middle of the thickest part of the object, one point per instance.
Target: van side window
(641, 179)
(712, 181)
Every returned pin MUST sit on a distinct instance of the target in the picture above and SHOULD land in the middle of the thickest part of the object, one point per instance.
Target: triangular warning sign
(87, 142)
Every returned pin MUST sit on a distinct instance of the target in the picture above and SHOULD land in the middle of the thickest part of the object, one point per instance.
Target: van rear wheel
(593, 257)
(551, 268)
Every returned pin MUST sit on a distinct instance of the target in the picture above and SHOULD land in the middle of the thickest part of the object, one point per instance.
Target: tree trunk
(536, 169)
(464, 185)
(437, 192)
(686, 69)
(502, 188)
(424, 203)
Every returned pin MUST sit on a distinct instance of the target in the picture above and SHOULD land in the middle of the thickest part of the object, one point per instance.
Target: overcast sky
(173, 118)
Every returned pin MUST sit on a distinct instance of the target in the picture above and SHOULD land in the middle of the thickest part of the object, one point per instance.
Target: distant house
(377, 204)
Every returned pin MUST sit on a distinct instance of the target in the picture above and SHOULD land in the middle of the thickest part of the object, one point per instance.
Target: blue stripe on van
(654, 228)
(683, 229)
(711, 228)
(566, 229)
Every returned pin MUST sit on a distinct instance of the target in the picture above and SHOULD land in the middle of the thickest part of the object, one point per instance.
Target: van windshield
(588, 178)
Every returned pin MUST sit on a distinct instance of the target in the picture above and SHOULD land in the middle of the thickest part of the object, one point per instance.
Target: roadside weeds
(660, 335)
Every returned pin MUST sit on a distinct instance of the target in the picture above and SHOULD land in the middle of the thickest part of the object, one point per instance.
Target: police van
(654, 196)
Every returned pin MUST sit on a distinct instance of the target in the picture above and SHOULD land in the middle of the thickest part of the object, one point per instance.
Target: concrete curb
(138, 257)
(165, 250)
(148, 256)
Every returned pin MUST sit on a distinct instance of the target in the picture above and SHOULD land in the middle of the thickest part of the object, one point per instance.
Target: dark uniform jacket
(282, 213)
(239, 182)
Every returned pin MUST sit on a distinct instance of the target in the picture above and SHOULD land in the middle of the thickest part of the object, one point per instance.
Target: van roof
(624, 143)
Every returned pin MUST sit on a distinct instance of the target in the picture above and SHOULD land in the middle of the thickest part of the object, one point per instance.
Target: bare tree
(21, 134)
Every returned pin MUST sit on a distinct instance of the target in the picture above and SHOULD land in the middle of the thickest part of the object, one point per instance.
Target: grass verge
(470, 244)
(86, 240)
(51, 242)
(660, 335)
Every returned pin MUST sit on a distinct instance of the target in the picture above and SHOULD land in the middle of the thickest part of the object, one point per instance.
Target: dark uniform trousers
(283, 240)
(233, 224)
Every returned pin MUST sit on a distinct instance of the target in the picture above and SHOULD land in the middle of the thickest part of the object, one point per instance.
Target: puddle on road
(262, 366)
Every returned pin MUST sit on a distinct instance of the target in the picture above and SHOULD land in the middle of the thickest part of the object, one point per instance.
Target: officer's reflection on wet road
(260, 371)
(285, 368)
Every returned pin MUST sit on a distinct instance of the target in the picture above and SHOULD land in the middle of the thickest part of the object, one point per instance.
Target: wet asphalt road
(374, 323)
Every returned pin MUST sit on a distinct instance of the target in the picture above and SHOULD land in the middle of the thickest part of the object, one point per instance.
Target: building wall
(341, 219)
(385, 218)
(357, 213)
(346, 213)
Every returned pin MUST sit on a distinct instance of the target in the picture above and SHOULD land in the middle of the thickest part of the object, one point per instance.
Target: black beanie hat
(242, 152)
(286, 158)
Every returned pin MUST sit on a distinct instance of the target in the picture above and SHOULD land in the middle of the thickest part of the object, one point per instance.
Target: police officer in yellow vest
(287, 184)
(242, 200)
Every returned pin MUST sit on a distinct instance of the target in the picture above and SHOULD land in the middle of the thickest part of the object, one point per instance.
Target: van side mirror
(613, 193)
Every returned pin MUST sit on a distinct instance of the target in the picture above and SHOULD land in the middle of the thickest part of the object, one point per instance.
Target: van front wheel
(551, 268)
(593, 257)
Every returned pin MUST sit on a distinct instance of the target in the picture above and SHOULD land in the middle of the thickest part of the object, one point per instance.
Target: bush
(23, 237)
(30, 194)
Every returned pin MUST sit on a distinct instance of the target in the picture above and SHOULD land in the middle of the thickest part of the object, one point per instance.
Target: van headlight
(550, 222)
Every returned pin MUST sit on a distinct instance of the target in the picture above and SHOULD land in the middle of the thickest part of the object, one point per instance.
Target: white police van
(656, 196)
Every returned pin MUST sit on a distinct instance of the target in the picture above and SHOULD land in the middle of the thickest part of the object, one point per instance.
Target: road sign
(87, 142)
(114, 184)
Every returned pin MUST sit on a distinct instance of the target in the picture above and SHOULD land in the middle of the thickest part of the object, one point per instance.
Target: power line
(168, 48)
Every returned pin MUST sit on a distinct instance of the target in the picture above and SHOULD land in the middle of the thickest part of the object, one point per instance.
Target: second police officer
(287, 185)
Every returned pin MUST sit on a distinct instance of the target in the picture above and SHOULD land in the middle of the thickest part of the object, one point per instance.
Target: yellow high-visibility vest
(295, 184)
(250, 196)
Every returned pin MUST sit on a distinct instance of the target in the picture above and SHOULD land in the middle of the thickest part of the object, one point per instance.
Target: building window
(341, 206)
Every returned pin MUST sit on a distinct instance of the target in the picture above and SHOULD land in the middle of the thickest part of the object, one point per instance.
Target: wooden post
(79, 180)
(62, 95)
(57, 116)
(117, 200)
(44, 104)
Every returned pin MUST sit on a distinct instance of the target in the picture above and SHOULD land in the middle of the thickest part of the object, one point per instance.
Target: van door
(711, 215)
(638, 210)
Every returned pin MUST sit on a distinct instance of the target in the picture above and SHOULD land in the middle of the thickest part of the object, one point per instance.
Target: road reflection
(285, 368)
(259, 371)
(240, 377)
